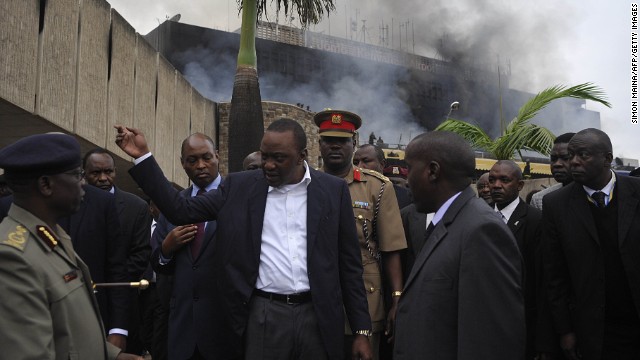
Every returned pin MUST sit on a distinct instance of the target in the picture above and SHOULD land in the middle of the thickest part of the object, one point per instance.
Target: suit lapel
(120, 204)
(315, 211)
(418, 230)
(517, 220)
(439, 233)
(627, 207)
(76, 219)
(257, 204)
(579, 206)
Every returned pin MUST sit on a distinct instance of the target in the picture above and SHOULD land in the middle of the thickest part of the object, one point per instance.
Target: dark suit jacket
(403, 195)
(193, 296)
(525, 226)
(415, 228)
(463, 298)
(135, 222)
(95, 232)
(96, 237)
(333, 254)
(573, 260)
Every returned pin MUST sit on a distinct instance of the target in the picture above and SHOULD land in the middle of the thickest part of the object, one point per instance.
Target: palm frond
(470, 132)
(528, 137)
(586, 91)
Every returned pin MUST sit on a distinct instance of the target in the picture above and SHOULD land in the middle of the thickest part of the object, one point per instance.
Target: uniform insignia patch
(45, 234)
(71, 275)
(357, 175)
(16, 238)
(360, 205)
(336, 119)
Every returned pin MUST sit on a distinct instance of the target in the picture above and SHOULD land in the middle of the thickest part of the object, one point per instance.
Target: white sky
(575, 42)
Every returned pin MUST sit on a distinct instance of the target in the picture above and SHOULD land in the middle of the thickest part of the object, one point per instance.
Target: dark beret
(635, 172)
(42, 154)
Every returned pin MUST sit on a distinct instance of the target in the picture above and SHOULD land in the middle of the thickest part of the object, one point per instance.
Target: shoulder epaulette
(47, 236)
(376, 174)
(17, 238)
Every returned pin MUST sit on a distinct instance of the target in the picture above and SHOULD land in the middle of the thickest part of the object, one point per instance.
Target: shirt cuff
(118, 331)
(141, 158)
(163, 260)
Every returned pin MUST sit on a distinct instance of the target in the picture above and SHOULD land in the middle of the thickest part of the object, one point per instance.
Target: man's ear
(434, 170)
(520, 184)
(303, 155)
(608, 157)
(44, 185)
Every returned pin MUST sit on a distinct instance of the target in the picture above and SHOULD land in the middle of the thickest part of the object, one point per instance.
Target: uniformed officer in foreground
(48, 309)
(377, 215)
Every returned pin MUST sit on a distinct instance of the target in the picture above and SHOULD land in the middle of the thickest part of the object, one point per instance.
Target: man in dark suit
(191, 318)
(135, 227)
(592, 248)
(463, 299)
(255, 227)
(415, 229)
(506, 181)
(95, 232)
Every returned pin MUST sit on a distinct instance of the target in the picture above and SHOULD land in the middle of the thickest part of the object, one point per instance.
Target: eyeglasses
(77, 174)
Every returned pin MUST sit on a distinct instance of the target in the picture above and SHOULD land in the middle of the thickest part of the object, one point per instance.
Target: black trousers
(277, 330)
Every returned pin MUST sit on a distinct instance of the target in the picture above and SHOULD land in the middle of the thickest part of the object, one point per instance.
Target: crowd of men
(283, 261)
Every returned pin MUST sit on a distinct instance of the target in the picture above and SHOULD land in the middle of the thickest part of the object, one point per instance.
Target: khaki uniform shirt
(364, 187)
(48, 309)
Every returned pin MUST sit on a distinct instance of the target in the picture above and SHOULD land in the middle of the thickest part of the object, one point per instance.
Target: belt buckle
(289, 301)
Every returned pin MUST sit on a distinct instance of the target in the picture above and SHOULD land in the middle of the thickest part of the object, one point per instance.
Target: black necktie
(429, 231)
(598, 197)
(196, 244)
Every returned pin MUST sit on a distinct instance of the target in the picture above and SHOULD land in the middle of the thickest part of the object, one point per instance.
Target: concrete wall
(80, 66)
(271, 112)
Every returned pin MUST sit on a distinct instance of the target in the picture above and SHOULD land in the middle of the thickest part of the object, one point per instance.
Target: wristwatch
(366, 333)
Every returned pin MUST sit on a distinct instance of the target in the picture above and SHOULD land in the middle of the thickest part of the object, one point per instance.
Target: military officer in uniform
(48, 309)
(377, 216)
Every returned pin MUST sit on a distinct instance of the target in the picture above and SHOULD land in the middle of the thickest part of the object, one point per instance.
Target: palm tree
(246, 124)
(520, 134)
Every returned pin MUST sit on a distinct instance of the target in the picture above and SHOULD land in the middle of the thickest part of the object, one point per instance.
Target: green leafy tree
(520, 134)
(246, 124)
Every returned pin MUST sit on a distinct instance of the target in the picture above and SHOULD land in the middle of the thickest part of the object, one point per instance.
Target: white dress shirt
(443, 209)
(508, 210)
(283, 253)
(607, 189)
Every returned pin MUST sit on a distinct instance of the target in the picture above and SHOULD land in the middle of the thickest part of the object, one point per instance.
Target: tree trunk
(246, 123)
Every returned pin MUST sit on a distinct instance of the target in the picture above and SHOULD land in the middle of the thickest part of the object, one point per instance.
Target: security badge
(361, 205)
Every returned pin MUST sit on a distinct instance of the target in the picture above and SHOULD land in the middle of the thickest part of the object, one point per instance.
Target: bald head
(590, 153)
(253, 161)
(441, 164)
(505, 179)
(453, 153)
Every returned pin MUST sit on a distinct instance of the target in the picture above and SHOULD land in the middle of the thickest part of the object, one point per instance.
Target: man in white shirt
(275, 259)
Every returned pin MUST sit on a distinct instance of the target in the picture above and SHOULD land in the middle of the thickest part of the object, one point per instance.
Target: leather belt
(291, 299)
